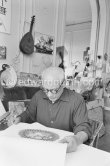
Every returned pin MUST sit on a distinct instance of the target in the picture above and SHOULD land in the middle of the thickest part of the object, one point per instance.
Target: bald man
(57, 107)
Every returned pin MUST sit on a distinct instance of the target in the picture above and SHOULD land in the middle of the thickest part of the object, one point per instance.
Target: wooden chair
(96, 128)
(95, 113)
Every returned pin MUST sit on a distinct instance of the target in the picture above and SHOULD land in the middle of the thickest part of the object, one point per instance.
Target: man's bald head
(52, 77)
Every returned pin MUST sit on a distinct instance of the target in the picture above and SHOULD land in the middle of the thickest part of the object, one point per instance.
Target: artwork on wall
(60, 52)
(3, 52)
(28, 80)
(44, 43)
(15, 109)
(5, 16)
(86, 55)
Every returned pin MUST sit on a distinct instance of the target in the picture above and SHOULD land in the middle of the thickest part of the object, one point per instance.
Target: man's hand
(17, 120)
(72, 143)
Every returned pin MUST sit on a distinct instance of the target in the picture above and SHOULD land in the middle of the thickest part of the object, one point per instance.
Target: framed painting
(3, 52)
(5, 16)
(44, 43)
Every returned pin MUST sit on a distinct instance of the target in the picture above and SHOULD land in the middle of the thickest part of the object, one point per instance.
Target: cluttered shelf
(18, 86)
(16, 92)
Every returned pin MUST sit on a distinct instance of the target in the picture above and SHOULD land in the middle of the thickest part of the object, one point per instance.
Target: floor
(104, 141)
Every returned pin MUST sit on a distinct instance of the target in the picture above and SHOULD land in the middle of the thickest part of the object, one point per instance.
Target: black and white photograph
(54, 82)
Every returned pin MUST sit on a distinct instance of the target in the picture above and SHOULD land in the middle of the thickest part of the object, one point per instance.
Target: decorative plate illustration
(39, 134)
(8, 77)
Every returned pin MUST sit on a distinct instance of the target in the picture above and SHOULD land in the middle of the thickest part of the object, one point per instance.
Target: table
(54, 153)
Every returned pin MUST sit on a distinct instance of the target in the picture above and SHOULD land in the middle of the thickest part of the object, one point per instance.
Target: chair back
(95, 112)
(96, 127)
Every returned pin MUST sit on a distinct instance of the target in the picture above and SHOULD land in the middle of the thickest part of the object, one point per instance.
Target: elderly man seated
(57, 107)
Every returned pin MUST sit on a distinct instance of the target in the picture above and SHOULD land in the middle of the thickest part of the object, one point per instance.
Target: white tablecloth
(17, 151)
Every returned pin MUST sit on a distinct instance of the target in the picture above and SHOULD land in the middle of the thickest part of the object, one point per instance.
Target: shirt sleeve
(29, 116)
(80, 119)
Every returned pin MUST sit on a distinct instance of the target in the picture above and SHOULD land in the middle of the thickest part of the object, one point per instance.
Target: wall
(46, 13)
(46, 21)
(11, 40)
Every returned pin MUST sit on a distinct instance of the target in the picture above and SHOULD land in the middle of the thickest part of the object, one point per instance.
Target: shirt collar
(64, 96)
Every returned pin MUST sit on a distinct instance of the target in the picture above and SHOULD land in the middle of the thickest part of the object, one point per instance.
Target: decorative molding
(61, 22)
(94, 29)
(77, 23)
(103, 27)
(107, 33)
(77, 27)
(56, 31)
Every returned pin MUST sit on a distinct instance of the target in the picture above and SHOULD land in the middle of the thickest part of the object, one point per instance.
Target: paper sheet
(17, 151)
(28, 152)
(88, 156)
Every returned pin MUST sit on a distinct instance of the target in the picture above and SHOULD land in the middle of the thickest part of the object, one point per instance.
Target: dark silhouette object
(4, 67)
(60, 51)
(2, 94)
(105, 57)
(86, 57)
(27, 41)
